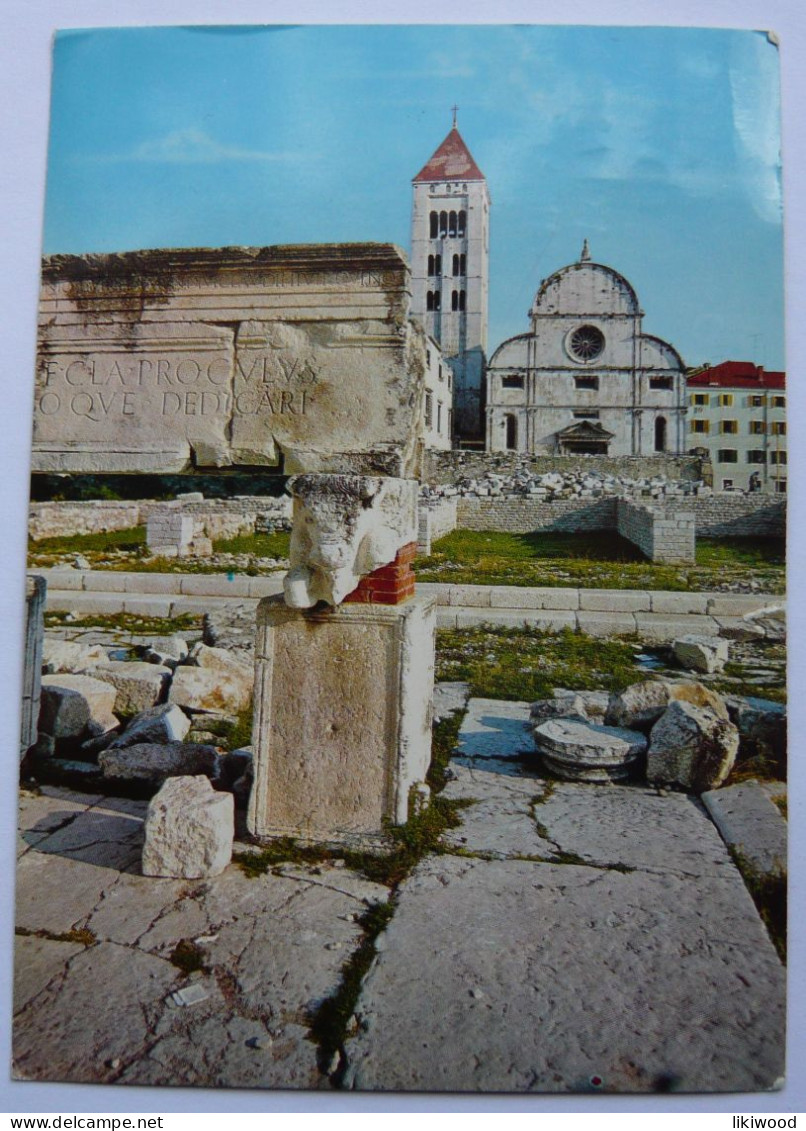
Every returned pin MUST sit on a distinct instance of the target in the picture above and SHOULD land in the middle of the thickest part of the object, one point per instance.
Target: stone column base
(342, 725)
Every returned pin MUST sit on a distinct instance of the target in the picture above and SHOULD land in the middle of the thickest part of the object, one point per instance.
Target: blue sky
(660, 145)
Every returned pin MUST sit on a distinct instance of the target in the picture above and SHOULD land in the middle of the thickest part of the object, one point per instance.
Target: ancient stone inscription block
(162, 360)
(342, 718)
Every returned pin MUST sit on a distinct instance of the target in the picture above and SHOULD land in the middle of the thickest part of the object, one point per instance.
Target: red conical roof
(453, 161)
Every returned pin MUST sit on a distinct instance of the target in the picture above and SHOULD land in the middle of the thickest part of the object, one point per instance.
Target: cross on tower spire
(455, 110)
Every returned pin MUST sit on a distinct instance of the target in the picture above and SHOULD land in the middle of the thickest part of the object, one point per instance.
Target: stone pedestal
(342, 728)
(35, 591)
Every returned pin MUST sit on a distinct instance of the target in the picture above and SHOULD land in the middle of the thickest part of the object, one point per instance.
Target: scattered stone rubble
(553, 485)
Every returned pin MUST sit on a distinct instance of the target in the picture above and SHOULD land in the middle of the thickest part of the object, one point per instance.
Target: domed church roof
(586, 288)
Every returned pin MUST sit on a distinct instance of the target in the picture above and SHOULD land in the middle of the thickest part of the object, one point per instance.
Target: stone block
(189, 830)
(165, 723)
(701, 653)
(166, 650)
(64, 579)
(153, 762)
(752, 825)
(640, 705)
(660, 629)
(606, 624)
(142, 605)
(158, 583)
(201, 584)
(614, 600)
(668, 602)
(71, 656)
(736, 604)
(82, 603)
(342, 718)
(691, 747)
(471, 596)
(105, 581)
(240, 355)
(139, 685)
(72, 705)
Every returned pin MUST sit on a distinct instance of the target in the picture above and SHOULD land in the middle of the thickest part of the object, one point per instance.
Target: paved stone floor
(570, 938)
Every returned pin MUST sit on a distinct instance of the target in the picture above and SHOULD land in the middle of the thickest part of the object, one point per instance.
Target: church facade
(584, 378)
(449, 271)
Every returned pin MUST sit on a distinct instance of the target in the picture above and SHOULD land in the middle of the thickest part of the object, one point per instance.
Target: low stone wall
(449, 467)
(524, 516)
(729, 515)
(214, 518)
(721, 515)
(435, 519)
(663, 536)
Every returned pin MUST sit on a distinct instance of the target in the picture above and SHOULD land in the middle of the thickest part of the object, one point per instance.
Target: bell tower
(449, 270)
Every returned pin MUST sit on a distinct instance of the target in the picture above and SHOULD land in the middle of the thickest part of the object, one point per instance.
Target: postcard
(404, 703)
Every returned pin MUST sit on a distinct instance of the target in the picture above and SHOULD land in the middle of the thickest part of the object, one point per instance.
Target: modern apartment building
(737, 411)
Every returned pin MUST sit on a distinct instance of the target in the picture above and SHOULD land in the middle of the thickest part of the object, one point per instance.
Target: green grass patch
(129, 623)
(511, 663)
(330, 1020)
(258, 545)
(598, 560)
(129, 541)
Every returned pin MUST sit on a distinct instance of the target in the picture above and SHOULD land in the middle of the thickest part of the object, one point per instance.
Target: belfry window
(454, 300)
(434, 225)
(461, 225)
(432, 300)
(461, 300)
(435, 265)
(459, 262)
(452, 224)
(443, 224)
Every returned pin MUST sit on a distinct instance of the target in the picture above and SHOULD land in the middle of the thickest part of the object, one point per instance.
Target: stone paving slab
(494, 728)
(751, 823)
(98, 1006)
(509, 975)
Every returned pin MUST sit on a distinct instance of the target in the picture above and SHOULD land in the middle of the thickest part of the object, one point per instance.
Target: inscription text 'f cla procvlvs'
(98, 389)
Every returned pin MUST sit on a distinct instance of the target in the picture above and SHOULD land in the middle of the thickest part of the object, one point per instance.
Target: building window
(660, 382)
(757, 428)
(455, 300)
(756, 402)
(434, 225)
(428, 358)
(727, 484)
(452, 224)
(441, 375)
(593, 415)
(586, 382)
(459, 265)
(461, 225)
(778, 427)
(778, 457)
(779, 402)
(701, 426)
(780, 486)
(727, 455)
(729, 427)
(725, 400)
(435, 265)
(512, 381)
(586, 343)
(429, 410)
(699, 398)
(432, 300)
(660, 434)
(439, 417)
(757, 455)
(443, 224)
(461, 300)
(511, 423)
(450, 421)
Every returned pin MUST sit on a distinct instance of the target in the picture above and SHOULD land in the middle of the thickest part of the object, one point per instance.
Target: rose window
(586, 343)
